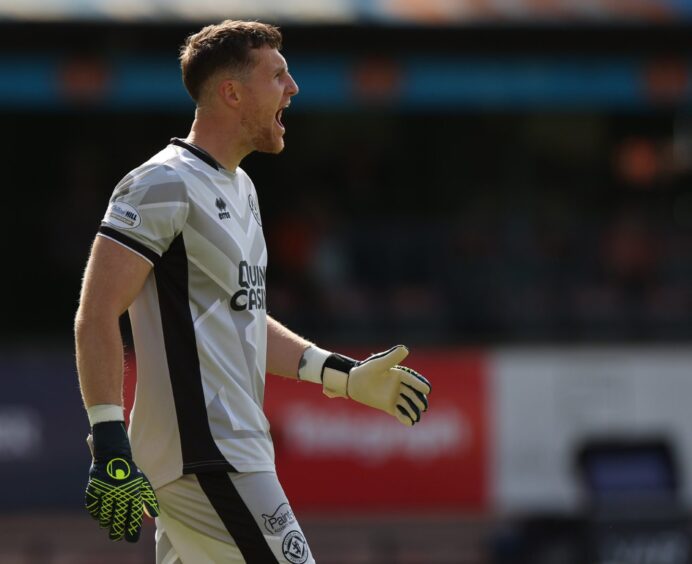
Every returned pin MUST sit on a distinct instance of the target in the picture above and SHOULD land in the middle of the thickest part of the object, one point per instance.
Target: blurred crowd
(543, 228)
(427, 228)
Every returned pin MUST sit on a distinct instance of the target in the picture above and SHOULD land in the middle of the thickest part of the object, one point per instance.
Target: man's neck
(219, 140)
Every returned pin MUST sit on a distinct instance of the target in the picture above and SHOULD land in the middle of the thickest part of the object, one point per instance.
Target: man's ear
(229, 91)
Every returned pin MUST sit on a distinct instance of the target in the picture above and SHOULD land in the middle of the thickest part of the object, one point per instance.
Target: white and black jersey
(199, 323)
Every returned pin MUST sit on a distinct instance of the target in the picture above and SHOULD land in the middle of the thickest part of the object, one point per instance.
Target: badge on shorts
(279, 520)
(295, 547)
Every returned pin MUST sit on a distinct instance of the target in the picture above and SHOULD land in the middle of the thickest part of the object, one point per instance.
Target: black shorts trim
(236, 517)
(208, 466)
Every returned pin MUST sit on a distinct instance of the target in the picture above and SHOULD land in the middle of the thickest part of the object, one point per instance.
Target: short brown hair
(226, 45)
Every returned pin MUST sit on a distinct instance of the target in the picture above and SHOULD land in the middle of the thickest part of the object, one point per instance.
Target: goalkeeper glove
(117, 492)
(377, 381)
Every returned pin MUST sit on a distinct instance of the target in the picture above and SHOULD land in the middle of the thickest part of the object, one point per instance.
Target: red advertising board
(338, 454)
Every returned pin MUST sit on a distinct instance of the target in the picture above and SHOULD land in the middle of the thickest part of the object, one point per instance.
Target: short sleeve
(147, 211)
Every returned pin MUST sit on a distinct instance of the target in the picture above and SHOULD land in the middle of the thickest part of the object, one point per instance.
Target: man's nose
(292, 87)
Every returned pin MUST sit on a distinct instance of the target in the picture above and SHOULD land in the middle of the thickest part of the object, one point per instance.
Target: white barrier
(546, 401)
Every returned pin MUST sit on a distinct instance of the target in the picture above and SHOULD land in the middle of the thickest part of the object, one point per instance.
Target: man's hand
(379, 382)
(117, 492)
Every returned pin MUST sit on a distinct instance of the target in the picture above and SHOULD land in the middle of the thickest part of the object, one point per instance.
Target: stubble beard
(262, 138)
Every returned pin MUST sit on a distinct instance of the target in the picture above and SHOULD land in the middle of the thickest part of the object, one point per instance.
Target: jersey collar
(198, 152)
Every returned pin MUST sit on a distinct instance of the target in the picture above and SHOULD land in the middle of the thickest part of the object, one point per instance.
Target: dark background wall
(484, 184)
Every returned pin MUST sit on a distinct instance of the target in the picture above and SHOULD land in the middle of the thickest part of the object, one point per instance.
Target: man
(181, 247)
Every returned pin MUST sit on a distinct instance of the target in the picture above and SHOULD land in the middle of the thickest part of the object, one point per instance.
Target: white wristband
(311, 364)
(105, 412)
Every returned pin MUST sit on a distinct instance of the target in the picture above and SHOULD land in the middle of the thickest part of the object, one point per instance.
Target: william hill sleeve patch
(122, 215)
(147, 210)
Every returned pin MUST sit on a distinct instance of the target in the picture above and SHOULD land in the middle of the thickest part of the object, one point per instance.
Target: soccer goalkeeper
(181, 247)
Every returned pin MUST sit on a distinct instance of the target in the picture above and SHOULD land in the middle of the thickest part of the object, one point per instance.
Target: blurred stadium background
(504, 185)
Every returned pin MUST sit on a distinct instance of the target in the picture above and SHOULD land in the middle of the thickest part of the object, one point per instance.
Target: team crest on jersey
(295, 548)
(254, 208)
(123, 215)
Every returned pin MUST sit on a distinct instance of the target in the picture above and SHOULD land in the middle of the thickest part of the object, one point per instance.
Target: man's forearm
(99, 360)
(284, 349)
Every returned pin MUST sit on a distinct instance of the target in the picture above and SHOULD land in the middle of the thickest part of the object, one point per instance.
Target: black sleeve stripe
(130, 243)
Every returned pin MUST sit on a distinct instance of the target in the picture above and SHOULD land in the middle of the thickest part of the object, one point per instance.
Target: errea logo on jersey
(123, 215)
(221, 206)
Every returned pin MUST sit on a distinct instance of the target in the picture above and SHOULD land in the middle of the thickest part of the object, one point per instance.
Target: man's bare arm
(379, 381)
(113, 278)
(284, 349)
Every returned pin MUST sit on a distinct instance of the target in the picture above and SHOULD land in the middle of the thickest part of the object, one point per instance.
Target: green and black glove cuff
(110, 440)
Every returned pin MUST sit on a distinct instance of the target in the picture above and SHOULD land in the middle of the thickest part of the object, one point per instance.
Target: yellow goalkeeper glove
(117, 492)
(378, 381)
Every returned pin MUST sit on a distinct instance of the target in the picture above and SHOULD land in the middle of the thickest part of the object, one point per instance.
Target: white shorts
(220, 517)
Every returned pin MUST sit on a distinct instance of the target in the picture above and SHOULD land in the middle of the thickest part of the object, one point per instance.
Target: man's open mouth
(279, 115)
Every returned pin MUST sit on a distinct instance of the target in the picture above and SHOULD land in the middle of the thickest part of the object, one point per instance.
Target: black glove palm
(117, 492)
